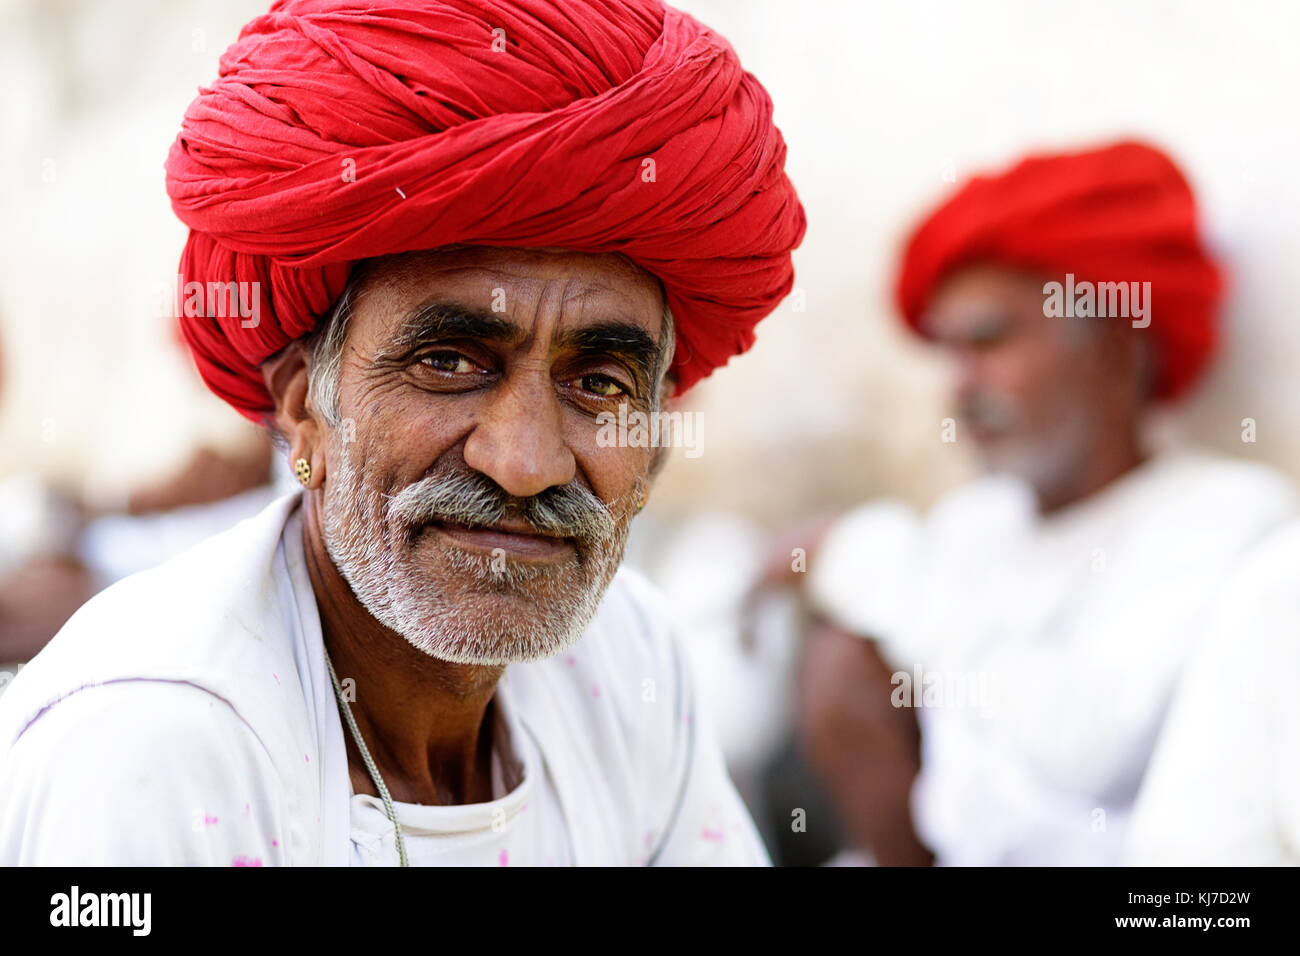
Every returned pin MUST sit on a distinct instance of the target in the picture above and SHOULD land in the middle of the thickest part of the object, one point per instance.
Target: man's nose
(519, 439)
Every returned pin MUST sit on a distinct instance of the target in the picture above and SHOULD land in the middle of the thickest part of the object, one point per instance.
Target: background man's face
(1035, 393)
(468, 503)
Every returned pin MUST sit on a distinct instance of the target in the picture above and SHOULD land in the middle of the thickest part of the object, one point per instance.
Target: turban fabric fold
(1120, 213)
(340, 130)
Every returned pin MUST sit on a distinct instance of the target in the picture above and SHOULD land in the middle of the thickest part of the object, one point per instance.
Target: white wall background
(881, 104)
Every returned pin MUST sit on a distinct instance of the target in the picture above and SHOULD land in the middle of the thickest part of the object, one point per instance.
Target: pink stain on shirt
(276, 676)
(306, 758)
(275, 843)
(595, 691)
(571, 661)
(209, 821)
(711, 834)
(246, 809)
(504, 858)
(246, 861)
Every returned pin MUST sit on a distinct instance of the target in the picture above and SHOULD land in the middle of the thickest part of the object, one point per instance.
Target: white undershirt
(518, 827)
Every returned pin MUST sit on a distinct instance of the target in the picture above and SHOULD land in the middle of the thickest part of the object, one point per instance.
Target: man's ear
(285, 375)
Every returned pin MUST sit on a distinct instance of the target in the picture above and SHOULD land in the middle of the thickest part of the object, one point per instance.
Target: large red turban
(1121, 213)
(340, 130)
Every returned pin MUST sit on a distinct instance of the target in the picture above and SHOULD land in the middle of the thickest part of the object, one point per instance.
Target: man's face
(1033, 392)
(467, 501)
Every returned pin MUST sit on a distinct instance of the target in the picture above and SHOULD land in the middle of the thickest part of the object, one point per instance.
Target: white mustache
(473, 499)
(990, 411)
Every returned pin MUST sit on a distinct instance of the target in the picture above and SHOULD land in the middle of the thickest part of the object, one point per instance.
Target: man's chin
(1004, 454)
(486, 646)
(479, 616)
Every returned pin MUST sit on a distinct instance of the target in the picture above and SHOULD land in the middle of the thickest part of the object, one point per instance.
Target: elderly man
(452, 235)
(1033, 624)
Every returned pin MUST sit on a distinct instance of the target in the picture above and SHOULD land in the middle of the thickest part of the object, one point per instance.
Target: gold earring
(640, 504)
(302, 468)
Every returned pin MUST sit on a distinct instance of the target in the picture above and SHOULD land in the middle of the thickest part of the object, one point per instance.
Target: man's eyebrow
(444, 320)
(439, 321)
(623, 339)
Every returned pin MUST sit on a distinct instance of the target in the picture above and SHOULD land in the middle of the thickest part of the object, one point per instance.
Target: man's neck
(426, 722)
(1104, 464)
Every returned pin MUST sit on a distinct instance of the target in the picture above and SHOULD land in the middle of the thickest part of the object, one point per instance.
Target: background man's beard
(1047, 462)
(493, 611)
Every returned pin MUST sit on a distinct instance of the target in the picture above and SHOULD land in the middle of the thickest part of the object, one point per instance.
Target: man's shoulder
(984, 502)
(1213, 476)
(1196, 500)
(114, 720)
(214, 572)
(1266, 582)
(150, 772)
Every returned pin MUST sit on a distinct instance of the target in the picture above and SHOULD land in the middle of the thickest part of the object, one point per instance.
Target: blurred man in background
(57, 551)
(41, 580)
(986, 682)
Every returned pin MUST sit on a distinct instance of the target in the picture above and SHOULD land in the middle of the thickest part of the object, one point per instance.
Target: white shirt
(1048, 648)
(185, 716)
(1224, 784)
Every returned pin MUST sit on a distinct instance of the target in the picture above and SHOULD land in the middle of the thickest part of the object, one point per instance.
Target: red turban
(488, 122)
(1122, 213)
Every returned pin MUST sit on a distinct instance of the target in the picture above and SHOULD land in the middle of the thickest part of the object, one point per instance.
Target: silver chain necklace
(369, 761)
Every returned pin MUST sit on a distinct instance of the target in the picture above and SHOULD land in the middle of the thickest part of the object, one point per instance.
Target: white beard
(1046, 465)
(481, 628)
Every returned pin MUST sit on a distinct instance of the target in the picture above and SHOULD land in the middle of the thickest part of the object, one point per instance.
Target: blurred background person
(1036, 619)
(41, 579)
(57, 551)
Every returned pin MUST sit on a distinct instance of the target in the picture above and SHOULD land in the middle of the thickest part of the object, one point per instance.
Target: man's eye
(986, 336)
(602, 385)
(449, 362)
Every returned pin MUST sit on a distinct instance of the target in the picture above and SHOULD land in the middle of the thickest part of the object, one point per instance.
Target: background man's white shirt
(185, 716)
(1053, 644)
(1224, 784)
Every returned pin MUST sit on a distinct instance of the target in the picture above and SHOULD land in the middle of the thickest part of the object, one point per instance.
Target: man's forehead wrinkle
(524, 275)
(527, 276)
(562, 303)
(528, 284)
